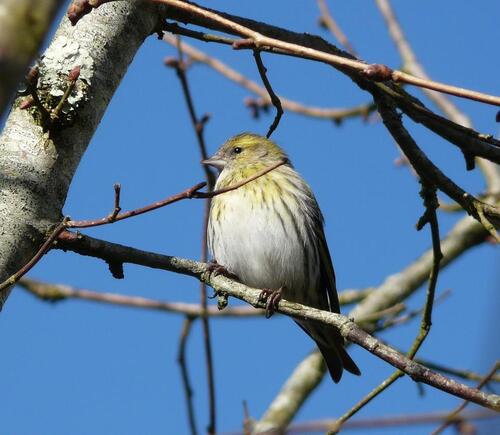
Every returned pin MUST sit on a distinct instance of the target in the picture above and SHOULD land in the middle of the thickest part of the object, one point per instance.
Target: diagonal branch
(468, 140)
(428, 194)
(373, 72)
(308, 374)
(427, 170)
(225, 287)
(455, 413)
(336, 115)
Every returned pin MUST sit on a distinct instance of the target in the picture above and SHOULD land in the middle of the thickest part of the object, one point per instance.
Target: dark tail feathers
(337, 359)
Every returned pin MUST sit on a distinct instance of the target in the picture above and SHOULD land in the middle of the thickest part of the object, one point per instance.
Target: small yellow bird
(269, 233)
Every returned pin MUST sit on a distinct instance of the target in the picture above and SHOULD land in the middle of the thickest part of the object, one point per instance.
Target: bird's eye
(237, 150)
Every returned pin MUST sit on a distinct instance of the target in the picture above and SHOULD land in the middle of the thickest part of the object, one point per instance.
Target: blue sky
(80, 368)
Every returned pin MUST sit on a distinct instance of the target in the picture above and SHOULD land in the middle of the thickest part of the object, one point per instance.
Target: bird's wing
(327, 274)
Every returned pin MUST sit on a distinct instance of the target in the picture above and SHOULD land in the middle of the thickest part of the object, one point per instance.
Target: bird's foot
(217, 269)
(272, 299)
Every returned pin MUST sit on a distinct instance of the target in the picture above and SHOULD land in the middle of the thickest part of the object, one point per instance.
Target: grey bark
(36, 167)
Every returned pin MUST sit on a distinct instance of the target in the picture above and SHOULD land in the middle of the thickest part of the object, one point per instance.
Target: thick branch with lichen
(36, 166)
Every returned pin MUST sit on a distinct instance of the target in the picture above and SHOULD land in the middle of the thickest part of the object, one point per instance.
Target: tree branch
(428, 194)
(455, 413)
(468, 140)
(373, 72)
(58, 292)
(36, 167)
(199, 128)
(466, 234)
(226, 287)
(336, 115)
(186, 382)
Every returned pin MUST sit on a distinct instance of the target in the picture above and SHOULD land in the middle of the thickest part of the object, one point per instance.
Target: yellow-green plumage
(269, 233)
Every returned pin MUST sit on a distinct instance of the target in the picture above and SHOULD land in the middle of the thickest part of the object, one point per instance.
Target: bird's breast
(262, 236)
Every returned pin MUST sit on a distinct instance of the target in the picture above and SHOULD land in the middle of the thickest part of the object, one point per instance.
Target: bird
(268, 234)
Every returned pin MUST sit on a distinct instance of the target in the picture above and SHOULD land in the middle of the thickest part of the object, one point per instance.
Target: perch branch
(226, 287)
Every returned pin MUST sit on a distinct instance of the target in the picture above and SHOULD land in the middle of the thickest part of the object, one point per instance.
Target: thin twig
(468, 140)
(211, 428)
(412, 65)
(455, 413)
(336, 115)
(428, 194)
(374, 72)
(247, 420)
(59, 292)
(199, 127)
(274, 98)
(185, 194)
(395, 288)
(225, 286)
(327, 20)
(192, 192)
(427, 170)
(181, 359)
(387, 421)
(459, 373)
(35, 259)
(406, 317)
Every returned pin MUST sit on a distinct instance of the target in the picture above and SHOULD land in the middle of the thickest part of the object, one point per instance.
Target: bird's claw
(271, 299)
(217, 269)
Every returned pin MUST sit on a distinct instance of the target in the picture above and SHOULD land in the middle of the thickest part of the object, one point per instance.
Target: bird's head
(246, 150)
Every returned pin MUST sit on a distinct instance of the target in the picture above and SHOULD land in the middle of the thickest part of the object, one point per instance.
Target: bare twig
(327, 20)
(459, 373)
(455, 413)
(468, 140)
(186, 382)
(36, 258)
(374, 72)
(388, 421)
(336, 115)
(247, 420)
(192, 192)
(274, 98)
(395, 288)
(222, 285)
(412, 65)
(199, 127)
(409, 315)
(59, 292)
(430, 172)
(428, 194)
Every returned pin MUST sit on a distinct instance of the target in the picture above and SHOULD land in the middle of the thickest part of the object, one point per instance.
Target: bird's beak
(215, 161)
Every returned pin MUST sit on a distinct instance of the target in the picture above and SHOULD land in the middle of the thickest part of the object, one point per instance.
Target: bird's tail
(331, 346)
(337, 359)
